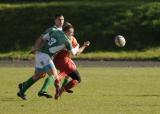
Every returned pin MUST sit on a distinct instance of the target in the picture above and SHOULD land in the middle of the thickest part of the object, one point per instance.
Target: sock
(71, 84)
(66, 80)
(57, 83)
(27, 84)
(47, 83)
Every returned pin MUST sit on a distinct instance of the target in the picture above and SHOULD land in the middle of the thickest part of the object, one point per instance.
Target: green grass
(148, 54)
(102, 91)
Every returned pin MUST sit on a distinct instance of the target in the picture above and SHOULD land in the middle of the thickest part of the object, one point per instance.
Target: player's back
(55, 40)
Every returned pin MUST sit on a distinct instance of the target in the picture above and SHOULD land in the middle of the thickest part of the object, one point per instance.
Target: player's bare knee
(36, 77)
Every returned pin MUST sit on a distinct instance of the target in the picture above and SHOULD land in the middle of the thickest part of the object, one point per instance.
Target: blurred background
(99, 21)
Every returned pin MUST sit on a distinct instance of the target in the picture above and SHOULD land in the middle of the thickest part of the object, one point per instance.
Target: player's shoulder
(74, 41)
(48, 30)
(56, 30)
(73, 38)
(53, 30)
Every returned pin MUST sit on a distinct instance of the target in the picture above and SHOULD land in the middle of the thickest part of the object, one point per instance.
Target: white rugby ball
(120, 41)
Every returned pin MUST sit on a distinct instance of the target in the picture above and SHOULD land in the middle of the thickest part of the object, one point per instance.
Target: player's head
(66, 24)
(69, 30)
(59, 20)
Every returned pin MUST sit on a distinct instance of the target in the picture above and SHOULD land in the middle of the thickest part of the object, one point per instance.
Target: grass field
(148, 54)
(105, 90)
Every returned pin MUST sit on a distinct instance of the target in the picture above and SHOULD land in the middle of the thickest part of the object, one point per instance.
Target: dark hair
(67, 27)
(57, 15)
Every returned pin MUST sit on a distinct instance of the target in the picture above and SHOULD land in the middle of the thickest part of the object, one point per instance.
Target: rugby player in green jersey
(54, 40)
(59, 22)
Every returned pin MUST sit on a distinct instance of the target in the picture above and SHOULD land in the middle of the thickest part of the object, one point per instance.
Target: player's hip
(42, 60)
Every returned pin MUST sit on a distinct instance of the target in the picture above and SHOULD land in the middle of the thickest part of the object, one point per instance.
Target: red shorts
(65, 66)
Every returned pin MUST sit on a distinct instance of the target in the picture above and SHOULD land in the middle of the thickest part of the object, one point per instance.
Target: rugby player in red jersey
(65, 64)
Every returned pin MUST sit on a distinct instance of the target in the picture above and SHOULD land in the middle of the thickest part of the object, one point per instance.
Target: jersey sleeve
(46, 34)
(74, 42)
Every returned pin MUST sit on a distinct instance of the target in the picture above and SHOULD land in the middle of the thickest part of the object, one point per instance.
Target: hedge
(99, 22)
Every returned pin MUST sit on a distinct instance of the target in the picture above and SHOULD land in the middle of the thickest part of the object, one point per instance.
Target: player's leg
(44, 90)
(41, 61)
(49, 81)
(65, 81)
(75, 80)
(52, 72)
(71, 71)
(28, 83)
(23, 87)
(64, 76)
(62, 64)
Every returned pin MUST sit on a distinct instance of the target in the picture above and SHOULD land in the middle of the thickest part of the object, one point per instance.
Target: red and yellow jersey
(63, 61)
(64, 53)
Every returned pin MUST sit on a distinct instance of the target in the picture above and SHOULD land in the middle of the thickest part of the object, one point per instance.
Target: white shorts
(42, 60)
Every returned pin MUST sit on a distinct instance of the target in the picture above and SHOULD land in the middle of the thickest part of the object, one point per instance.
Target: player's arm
(70, 49)
(75, 49)
(82, 48)
(40, 42)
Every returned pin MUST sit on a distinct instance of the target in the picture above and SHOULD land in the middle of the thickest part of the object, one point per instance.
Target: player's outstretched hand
(87, 43)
